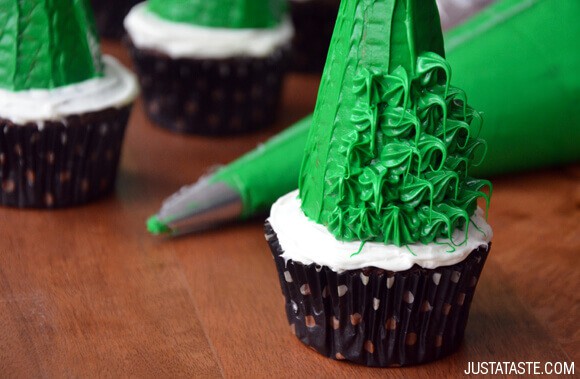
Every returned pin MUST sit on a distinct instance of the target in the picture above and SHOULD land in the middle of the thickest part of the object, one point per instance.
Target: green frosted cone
(391, 142)
(46, 44)
(221, 13)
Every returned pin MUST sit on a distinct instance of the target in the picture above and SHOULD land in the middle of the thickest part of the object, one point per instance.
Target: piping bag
(519, 62)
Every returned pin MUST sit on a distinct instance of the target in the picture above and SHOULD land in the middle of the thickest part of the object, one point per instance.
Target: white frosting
(307, 242)
(117, 88)
(181, 40)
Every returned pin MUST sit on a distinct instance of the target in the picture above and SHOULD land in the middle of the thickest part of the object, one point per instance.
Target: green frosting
(391, 142)
(47, 44)
(221, 13)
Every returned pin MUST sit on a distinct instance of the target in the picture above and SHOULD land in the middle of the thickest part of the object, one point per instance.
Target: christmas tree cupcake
(379, 252)
(63, 108)
(210, 67)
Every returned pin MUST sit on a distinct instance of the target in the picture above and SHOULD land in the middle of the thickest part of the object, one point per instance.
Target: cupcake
(313, 24)
(63, 107)
(210, 67)
(109, 16)
(380, 250)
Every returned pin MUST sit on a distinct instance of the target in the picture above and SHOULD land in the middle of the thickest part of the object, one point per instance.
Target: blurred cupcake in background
(63, 107)
(109, 16)
(210, 67)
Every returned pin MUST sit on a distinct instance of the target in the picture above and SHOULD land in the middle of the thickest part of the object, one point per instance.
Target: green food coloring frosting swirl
(47, 44)
(221, 13)
(391, 143)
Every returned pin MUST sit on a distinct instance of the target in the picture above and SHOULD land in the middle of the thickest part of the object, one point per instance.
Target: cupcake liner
(211, 96)
(313, 24)
(376, 317)
(109, 16)
(61, 163)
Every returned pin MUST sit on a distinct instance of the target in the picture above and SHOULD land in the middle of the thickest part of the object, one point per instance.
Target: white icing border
(307, 242)
(118, 87)
(181, 40)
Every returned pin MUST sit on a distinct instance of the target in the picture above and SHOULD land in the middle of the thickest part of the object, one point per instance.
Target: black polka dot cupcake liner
(211, 96)
(61, 163)
(375, 317)
(313, 26)
(109, 16)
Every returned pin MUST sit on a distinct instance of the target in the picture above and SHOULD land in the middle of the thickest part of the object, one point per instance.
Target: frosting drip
(394, 164)
(117, 88)
(307, 242)
(221, 13)
(180, 40)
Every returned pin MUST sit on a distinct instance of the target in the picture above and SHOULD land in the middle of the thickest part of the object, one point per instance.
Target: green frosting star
(47, 44)
(221, 13)
(391, 142)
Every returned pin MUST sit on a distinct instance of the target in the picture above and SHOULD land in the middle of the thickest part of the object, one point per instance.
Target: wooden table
(87, 292)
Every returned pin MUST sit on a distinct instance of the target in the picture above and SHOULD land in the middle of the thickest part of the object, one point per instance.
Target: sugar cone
(388, 154)
(47, 44)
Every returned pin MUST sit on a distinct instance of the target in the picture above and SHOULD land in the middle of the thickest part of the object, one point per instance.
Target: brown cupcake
(205, 79)
(63, 109)
(376, 317)
(210, 96)
(61, 163)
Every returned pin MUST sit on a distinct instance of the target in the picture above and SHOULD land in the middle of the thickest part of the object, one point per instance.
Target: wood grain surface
(86, 292)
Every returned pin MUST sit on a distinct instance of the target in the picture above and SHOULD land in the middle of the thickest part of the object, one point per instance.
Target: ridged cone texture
(391, 142)
(47, 44)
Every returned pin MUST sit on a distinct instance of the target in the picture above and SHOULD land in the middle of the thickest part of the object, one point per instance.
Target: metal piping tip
(196, 207)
